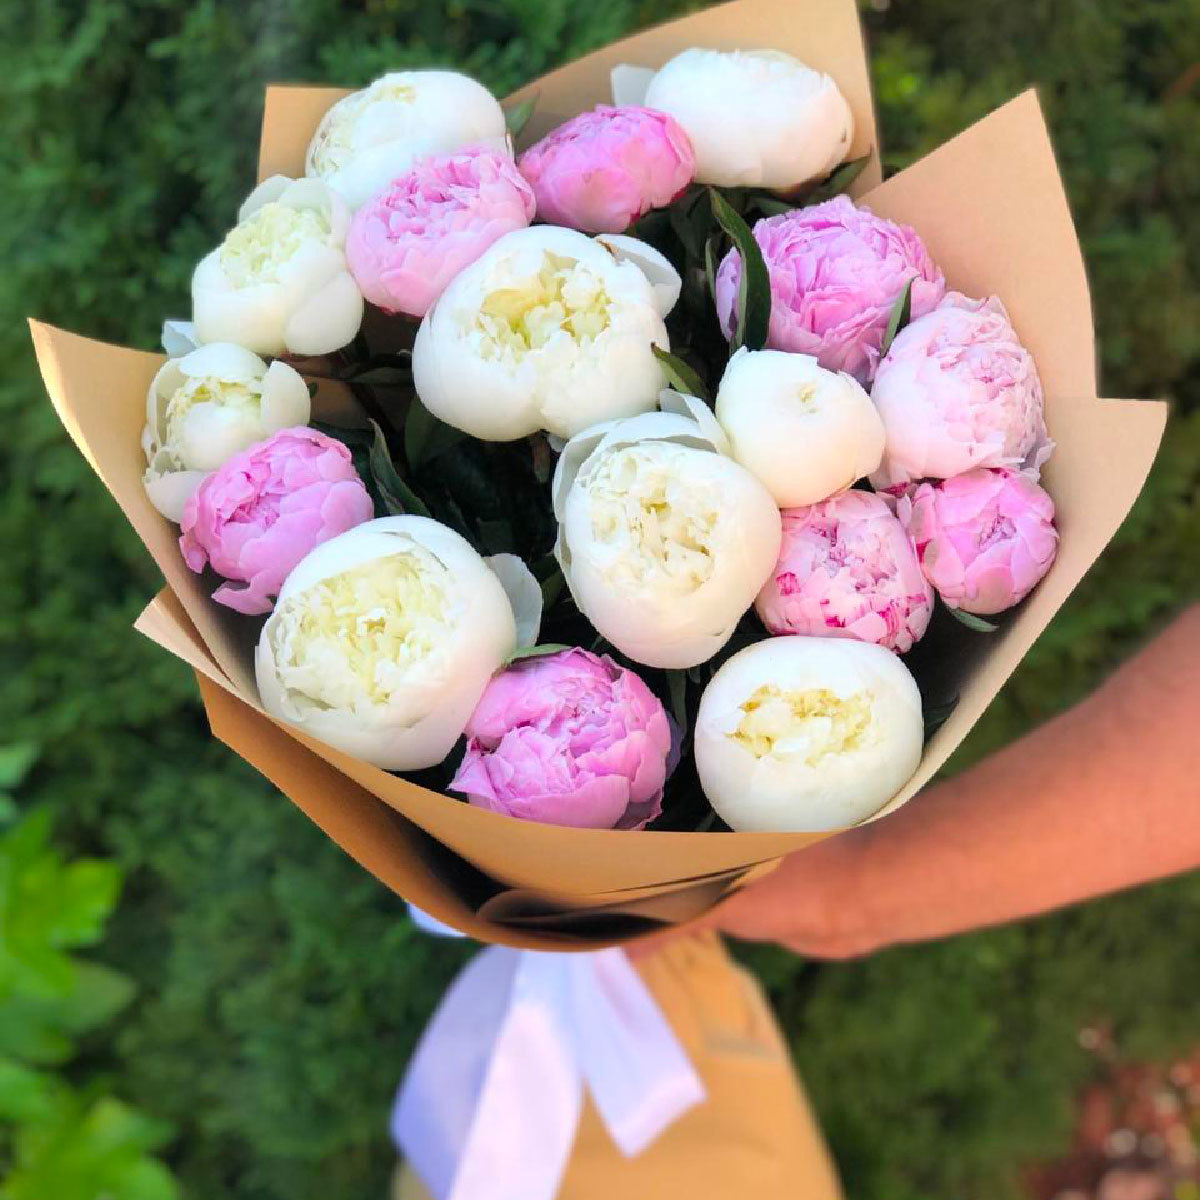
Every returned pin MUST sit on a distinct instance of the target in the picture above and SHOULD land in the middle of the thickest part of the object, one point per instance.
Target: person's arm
(1102, 797)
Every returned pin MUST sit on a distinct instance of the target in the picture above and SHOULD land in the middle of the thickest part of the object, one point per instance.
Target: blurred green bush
(280, 987)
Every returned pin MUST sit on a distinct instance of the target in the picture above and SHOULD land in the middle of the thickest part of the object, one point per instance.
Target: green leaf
(710, 266)
(754, 291)
(677, 682)
(679, 375)
(839, 180)
(971, 621)
(26, 1094)
(937, 715)
(901, 312)
(425, 437)
(552, 587)
(396, 495)
(772, 206)
(690, 218)
(536, 651)
(15, 761)
(516, 116)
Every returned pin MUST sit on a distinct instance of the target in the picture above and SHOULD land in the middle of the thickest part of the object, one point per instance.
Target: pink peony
(603, 169)
(408, 242)
(956, 391)
(262, 511)
(836, 274)
(568, 739)
(847, 569)
(984, 538)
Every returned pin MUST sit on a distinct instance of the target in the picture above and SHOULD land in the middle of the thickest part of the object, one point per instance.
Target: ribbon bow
(489, 1107)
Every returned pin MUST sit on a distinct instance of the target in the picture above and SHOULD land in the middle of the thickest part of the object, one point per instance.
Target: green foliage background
(280, 987)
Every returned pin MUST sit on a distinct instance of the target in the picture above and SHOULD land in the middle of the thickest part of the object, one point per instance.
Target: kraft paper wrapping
(754, 1135)
(992, 210)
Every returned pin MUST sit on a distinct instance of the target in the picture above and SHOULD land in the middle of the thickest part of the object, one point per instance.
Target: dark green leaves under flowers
(901, 312)
(680, 375)
(753, 319)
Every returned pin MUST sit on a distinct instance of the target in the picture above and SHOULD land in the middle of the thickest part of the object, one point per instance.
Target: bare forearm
(1105, 796)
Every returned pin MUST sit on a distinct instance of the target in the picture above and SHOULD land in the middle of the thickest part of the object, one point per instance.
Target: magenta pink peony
(568, 739)
(984, 539)
(847, 569)
(407, 243)
(956, 391)
(603, 169)
(259, 514)
(836, 271)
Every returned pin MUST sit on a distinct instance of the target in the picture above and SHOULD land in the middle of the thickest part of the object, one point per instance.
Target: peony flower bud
(663, 540)
(603, 169)
(836, 271)
(957, 390)
(801, 734)
(203, 408)
(756, 118)
(805, 432)
(258, 514)
(278, 283)
(372, 136)
(985, 539)
(568, 739)
(410, 240)
(382, 642)
(547, 330)
(847, 570)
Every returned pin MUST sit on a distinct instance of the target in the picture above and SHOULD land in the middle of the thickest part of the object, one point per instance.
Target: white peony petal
(224, 361)
(656, 267)
(271, 189)
(524, 594)
(328, 321)
(629, 84)
(178, 338)
(285, 399)
(171, 491)
(210, 434)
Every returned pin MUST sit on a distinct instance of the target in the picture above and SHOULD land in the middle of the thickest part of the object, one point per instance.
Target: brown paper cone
(990, 206)
(754, 1136)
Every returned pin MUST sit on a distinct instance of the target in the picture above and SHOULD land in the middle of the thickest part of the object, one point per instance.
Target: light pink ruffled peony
(984, 539)
(262, 511)
(603, 169)
(836, 271)
(568, 739)
(847, 569)
(406, 244)
(956, 391)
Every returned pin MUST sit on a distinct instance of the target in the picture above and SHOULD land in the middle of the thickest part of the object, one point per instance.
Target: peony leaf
(754, 291)
(677, 682)
(396, 495)
(536, 652)
(425, 437)
(937, 715)
(710, 266)
(971, 621)
(839, 180)
(680, 376)
(517, 116)
(901, 312)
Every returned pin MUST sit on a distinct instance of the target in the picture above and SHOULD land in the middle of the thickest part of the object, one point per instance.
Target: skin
(1103, 797)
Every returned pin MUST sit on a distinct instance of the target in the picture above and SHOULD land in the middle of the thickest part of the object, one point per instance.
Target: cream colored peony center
(809, 724)
(659, 524)
(242, 398)
(563, 297)
(257, 250)
(353, 639)
(335, 140)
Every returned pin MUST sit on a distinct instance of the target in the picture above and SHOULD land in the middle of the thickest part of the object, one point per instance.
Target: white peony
(383, 639)
(805, 432)
(663, 540)
(549, 329)
(278, 283)
(804, 734)
(756, 118)
(370, 137)
(207, 406)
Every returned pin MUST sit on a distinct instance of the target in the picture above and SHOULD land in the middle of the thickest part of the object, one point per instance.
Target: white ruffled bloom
(663, 540)
(804, 734)
(383, 639)
(207, 406)
(371, 136)
(756, 118)
(278, 283)
(549, 329)
(805, 432)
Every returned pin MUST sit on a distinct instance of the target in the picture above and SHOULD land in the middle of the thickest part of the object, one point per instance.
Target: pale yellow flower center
(658, 520)
(244, 398)
(256, 250)
(352, 639)
(809, 724)
(335, 138)
(563, 297)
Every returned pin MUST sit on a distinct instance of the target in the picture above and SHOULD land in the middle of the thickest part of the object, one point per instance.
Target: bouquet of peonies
(529, 475)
